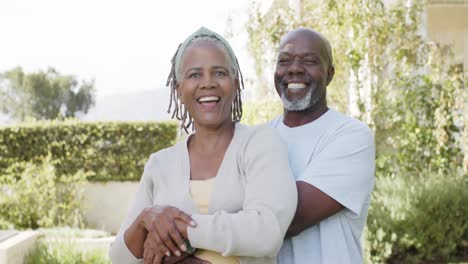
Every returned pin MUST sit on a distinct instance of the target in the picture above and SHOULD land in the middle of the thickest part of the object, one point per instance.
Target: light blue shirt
(336, 154)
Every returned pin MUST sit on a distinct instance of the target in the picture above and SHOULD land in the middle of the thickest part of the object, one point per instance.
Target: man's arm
(340, 176)
(313, 206)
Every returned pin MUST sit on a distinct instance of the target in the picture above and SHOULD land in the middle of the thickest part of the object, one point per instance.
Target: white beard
(302, 103)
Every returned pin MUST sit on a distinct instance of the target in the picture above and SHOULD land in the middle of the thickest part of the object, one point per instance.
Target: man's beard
(303, 103)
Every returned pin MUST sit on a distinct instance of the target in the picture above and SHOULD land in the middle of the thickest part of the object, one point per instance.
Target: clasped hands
(167, 236)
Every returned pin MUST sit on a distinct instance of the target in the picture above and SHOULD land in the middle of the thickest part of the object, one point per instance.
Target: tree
(44, 95)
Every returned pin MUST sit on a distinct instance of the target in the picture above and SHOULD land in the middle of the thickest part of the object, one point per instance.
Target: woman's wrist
(134, 238)
(141, 224)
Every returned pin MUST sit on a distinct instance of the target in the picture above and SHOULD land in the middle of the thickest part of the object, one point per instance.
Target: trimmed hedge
(109, 150)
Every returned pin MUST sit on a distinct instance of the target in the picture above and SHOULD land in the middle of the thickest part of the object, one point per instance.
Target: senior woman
(227, 189)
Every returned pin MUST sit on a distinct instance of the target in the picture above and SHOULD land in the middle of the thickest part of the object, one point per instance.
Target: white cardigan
(252, 205)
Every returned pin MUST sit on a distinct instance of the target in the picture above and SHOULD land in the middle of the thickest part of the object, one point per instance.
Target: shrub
(415, 219)
(109, 150)
(38, 198)
(5, 225)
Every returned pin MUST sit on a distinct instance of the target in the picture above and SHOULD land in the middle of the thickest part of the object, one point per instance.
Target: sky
(124, 45)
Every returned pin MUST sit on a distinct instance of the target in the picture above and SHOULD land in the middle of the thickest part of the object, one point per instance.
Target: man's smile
(296, 86)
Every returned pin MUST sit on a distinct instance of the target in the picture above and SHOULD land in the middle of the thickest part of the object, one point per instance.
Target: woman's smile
(209, 102)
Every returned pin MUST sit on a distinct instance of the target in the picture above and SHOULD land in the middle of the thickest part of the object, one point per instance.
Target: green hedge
(109, 150)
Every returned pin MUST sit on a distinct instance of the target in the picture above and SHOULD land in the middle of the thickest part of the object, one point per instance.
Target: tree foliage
(261, 111)
(401, 84)
(44, 95)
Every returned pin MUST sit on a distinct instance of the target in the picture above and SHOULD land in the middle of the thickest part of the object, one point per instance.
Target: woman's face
(206, 87)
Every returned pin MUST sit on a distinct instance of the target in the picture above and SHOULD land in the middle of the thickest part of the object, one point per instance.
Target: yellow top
(201, 194)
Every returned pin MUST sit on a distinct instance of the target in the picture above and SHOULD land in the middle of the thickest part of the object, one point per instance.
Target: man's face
(301, 73)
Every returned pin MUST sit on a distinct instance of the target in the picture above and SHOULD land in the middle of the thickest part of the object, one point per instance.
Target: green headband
(200, 33)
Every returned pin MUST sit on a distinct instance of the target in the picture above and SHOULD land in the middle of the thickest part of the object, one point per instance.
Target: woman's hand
(153, 250)
(168, 235)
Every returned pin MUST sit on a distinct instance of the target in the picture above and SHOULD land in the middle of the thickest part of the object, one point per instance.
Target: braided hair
(175, 105)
